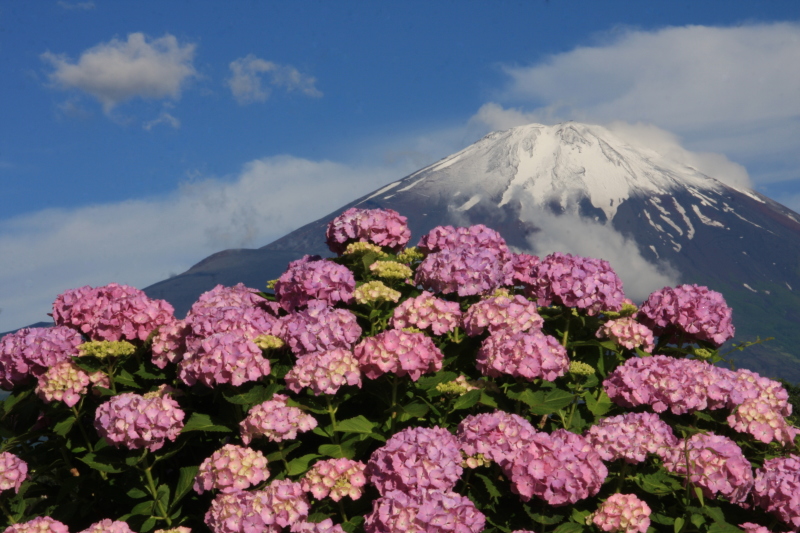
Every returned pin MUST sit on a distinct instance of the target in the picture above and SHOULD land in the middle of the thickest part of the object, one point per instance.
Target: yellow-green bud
(474, 461)
(364, 248)
(268, 342)
(390, 270)
(412, 330)
(628, 309)
(702, 353)
(458, 386)
(409, 255)
(103, 349)
(580, 368)
(271, 284)
(375, 291)
(501, 292)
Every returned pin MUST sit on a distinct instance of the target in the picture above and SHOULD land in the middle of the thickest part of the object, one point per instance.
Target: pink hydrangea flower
(136, 422)
(312, 278)
(237, 296)
(575, 281)
(523, 266)
(400, 352)
(465, 271)
(529, 355)
(326, 526)
(628, 333)
(777, 489)
(108, 526)
(324, 372)
(431, 511)
(179, 529)
(750, 527)
(319, 328)
(245, 322)
(560, 468)
(224, 358)
(275, 420)
(447, 237)
(750, 386)
(760, 419)
(63, 382)
(716, 465)
(13, 471)
(41, 524)
(335, 477)
(69, 307)
(384, 227)
(427, 311)
(169, 344)
(631, 436)
(416, 458)
(502, 313)
(281, 504)
(233, 513)
(688, 312)
(622, 513)
(29, 352)
(231, 469)
(498, 435)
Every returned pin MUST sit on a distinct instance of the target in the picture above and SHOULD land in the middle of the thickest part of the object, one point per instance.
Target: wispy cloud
(144, 241)
(117, 71)
(247, 85)
(163, 118)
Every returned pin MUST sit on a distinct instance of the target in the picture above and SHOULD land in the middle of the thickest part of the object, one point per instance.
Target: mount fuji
(579, 188)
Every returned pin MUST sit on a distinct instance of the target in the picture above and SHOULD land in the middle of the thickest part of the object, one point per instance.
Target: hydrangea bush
(453, 386)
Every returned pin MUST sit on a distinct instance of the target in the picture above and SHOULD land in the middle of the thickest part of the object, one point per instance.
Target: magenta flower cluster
(777, 488)
(400, 352)
(244, 322)
(231, 469)
(169, 343)
(319, 327)
(324, 372)
(631, 436)
(688, 313)
(761, 420)
(108, 526)
(575, 281)
(424, 512)
(715, 464)
(498, 436)
(427, 311)
(29, 352)
(450, 238)
(384, 227)
(281, 504)
(312, 278)
(13, 471)
(40, 524)
(63, 382)
(224, 358)
(623, 513)
(529, 355)
(137, 422)
(502, 313)
(628, 333)
(336, 478)
(275, 420)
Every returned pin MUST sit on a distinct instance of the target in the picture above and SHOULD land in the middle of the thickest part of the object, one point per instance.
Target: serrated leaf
(465, 401)
(699, 493)
(353, 524)
(14, 399)
(300, 465)
(723, 527)
(144, 508)
(100, 463)
(598, 406)
(185, 483)
(428, 383)
(678, 524)
(658, 483)
(359, 424)
(126, 378)
(569, 527)
(491, 488)
(142, 372)
(662, 519)
(163, 493)
(547, 519)
(256, 395)
(413, 410)
(697, 519)
(321, 432)
(63, 427)
(147, 525)
(715, 513)
(136, 493)
(487, 400)
(541, 403)
(338, 450)
(203, 422)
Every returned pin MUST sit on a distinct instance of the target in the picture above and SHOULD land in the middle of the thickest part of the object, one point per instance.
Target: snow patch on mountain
(705, 220)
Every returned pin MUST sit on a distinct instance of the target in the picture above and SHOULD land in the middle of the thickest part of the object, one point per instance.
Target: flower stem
(151, 485)
(7, 512)
(332, 414)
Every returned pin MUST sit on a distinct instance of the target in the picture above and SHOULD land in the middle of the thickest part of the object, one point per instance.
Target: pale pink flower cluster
(628, 333)
(575, 281)
(319, 328)
(750, 527)
(529, 355)
(384, 227)
(108, 526)
(414, 459)
(400, 352)
(40, 524)
(751, 386)
(777, 489)
(688, 312)
(622, 513)
(498, 435)
(63, 382)
(447, 237)
(326, 526)
(760, 419)
(136, 422)
(432, 511)
(275, 420)
(427, 311)
(631, 436)
(29, 352)
(169, 344)
(244, 322)
(224, 358)
(237, 296)
(312, 278)
(523, 266)
(231, 469)
(13, 471)
(680, 385)
(112, 312)
(179, 529)
(466, 271)
(282, 504)
(560, 468)
(502, 313)
(335, 477)
(716, 465)
(324, 372)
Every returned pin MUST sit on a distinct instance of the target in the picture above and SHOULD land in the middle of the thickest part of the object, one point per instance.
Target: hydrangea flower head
(761, 420)
(631, 436)
(530, 355)
(465, 271)
(384, 227)
(623, 513)
(63, 382)
(245, 322)
(363, 248)
(275, 420)
(390, 270)
(497, 436)
(40, 524)
(427, 311)
(104, 349)
(319, 327)
(375, 292)
(326, 526)
(281, 504)
(224, 358)
(336, 478)
(502, 312)
(628, 333)
(432, 511)
(237, 296)
(108, 526)
(233, 513)
(324, 372)
(29, 352)
(231, 469)
(400, 352)
(776, 489)
(692, 311)
(137, 422)
(447, 237)
(311, 278)
(169, 344)
(13, 471)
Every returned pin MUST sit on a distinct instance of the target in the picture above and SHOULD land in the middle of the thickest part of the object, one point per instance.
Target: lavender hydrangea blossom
(29, 352)
(13, 471)
(529, 355)
(137, 422)
(384, 227)
(400, 352)
(312, 278)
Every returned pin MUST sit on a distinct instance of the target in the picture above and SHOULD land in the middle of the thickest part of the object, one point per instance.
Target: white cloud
(118, 71)
(246, 81)
(144, 241)
(163, 118)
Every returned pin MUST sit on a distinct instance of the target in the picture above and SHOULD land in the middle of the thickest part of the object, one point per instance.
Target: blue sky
(139, 137)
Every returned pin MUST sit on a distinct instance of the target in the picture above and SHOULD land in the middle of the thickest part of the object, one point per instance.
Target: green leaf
(715, 513)
(202, 422)
(579, 516)
(678, 525)
(413, 410)
(569, 527)
(699, 492)
(723, 527)
(359, 424)
(148, 524)
(541, 403)
(465, 401)
(321, 432)
(353, 524)
(336, 451)
(100, 463)
(185, 483)
(256, 395)
(14, 399)
(697, 519)
(126, 378)
(63, 427)
(136, 494)
(163, 493)
(598, 406)
(144, 508)
(491, 488)
(662, 519)
(428, 383)
(487, 400)
(547, 519)
(142, 372)
(659, 483)
(280, 454)
(300, 465)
